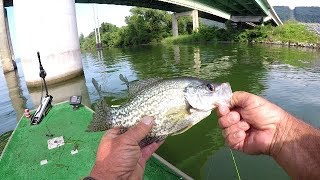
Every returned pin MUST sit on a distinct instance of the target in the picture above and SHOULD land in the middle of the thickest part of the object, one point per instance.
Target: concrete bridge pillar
(195, 21)
(174, 25)
(50, 27)
(5, 41)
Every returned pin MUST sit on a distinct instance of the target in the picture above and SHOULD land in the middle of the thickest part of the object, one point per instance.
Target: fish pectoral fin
(183, 130)
(192, 119)
(177, 114)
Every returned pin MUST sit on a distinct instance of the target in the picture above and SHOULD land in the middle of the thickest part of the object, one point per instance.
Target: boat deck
(26, 156)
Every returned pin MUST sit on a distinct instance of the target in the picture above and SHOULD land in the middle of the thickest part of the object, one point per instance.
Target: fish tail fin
(100, 116)
(124, 79)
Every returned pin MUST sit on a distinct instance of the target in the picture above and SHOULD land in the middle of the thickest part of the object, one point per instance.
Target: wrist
(98, 173)
(282, 134)
(296, 149)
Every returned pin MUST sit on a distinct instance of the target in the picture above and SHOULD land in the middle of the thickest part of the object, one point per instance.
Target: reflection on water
(197, 60)
(287, 76)
(15, 93)
(62, 91)
(176, 51)
(13, 98)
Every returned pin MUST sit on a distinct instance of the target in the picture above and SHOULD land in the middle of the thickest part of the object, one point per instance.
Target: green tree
(108, 34)
(146, 26)
(185, 25)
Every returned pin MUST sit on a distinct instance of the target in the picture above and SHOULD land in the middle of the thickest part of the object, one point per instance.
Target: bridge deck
(218, 10)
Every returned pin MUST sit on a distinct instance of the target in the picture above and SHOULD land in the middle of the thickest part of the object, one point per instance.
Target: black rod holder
(45, 104)
(43, 74)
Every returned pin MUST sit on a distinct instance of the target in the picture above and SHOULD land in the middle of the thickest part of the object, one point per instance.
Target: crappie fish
(176, 104)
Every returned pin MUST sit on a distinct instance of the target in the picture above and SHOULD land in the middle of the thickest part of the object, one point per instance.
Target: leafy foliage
(144, 26)
(291, 31)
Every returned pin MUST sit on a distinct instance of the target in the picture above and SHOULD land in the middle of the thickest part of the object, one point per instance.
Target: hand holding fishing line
(252, 124)
(256, 126)
(120, 156)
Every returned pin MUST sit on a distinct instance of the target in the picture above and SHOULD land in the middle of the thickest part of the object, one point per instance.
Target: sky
(113, 14)
(116, 14)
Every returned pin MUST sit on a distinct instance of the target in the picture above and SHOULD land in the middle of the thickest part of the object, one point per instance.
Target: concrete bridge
(35, 19)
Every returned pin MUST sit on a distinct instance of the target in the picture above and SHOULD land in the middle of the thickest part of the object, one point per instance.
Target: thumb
(139, 131)
(239, 99)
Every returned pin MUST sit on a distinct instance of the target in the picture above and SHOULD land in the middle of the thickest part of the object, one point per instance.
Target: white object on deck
(55, 142)
(74, 151)
(43, 162)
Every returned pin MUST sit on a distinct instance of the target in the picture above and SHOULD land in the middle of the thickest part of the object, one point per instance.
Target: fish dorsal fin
(135, 87)
(124, 79)
(102, 104)
(97, 86)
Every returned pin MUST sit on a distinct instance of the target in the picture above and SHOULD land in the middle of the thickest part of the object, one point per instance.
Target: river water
(289, 77)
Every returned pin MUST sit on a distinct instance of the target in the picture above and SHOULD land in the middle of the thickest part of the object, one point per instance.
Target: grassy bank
(291, 32)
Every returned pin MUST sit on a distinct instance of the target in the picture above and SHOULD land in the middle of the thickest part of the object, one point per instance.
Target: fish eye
(210, 87)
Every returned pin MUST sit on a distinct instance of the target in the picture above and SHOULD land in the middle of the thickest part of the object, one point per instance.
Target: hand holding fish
(120, 156)
(256, 126)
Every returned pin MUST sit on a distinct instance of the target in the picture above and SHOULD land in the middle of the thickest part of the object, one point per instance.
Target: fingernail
(147, 120)
(238, 134)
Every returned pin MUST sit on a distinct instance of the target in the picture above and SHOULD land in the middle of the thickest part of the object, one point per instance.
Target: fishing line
(235, 164)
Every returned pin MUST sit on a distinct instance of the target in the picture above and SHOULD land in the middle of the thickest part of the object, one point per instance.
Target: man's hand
(120, 156)
(256, 126)
(251, 125)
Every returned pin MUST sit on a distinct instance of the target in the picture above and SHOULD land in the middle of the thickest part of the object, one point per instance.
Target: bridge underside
(161, 5)
(217, 10)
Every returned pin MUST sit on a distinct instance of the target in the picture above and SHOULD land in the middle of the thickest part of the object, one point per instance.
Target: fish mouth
(223, 95)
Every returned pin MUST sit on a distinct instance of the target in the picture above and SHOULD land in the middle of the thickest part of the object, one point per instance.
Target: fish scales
(149, 103)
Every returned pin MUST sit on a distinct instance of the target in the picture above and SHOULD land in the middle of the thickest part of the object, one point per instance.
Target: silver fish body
(176, 104)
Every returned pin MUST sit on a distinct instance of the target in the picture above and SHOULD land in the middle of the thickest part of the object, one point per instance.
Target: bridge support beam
(254, 19)
(5, 42)
(195, 21)
(50, 27)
